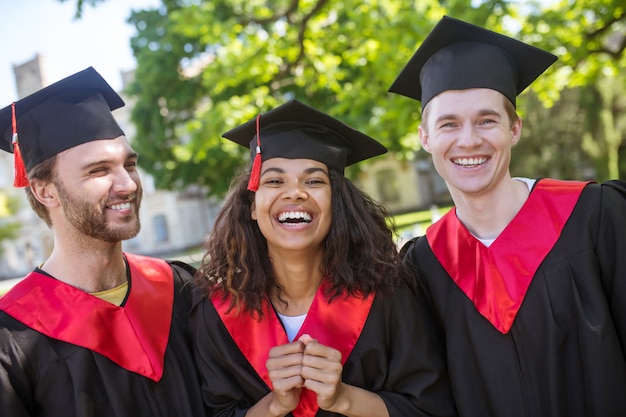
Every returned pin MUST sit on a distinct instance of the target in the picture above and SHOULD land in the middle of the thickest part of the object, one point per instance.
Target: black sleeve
(417, 382)
(611, 250)
(229, 384)
(16, 391)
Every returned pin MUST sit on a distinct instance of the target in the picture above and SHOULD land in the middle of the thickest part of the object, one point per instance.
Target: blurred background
(192, 69)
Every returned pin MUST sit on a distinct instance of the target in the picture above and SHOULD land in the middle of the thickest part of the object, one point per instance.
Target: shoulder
(612, 197)
(182, 270)
(8, 324)
(15, 335)
(609, 195)
(397, 306)
(408, 246)
(616, 187)
(183, 275)
(412, 247)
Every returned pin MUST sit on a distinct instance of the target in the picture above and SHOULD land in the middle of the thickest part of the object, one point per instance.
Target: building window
(387, 186)
(160, 228)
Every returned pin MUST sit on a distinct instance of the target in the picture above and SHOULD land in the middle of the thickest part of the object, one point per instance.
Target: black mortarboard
(457, 55)
(295, 130)
(65, 114)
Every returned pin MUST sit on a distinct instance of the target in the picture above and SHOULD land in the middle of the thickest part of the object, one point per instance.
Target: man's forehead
(99, 149)
(474, 98)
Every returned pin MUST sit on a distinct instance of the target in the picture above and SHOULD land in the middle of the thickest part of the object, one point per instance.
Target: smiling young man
(525, 277)
(92, 331)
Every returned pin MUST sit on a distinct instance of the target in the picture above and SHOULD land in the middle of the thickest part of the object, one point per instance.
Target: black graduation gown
(564, 352)
(46, 377)
(393, 356)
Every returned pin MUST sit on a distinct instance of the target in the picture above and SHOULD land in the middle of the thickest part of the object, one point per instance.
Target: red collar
(496, 278)
(133, 336)
(337, 324)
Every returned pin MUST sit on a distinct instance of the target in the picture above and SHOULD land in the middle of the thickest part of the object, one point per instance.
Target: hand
(322, 370)
(284, 367)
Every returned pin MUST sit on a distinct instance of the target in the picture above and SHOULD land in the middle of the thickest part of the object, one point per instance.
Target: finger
(318, 350)
(286, 399)
(324, 371)
(287, 348)
(288, 364)
(285, 385)
(306, 339)
(322, 390)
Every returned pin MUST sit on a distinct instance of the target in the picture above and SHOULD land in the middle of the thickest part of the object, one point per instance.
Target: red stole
(134, 336)
(337, 324)
(497, 277)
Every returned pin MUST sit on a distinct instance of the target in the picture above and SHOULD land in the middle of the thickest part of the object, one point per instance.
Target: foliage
(80, 4)
(205, 66)
(589, 36)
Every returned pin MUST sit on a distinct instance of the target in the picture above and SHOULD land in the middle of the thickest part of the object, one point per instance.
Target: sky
(100, 38)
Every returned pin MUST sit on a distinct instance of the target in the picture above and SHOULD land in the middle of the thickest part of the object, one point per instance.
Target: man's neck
(488, 215)
(89, 269)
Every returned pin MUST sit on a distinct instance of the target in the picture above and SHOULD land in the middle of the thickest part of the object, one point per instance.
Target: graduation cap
(457, 55)
(295, 130)
(65, 114)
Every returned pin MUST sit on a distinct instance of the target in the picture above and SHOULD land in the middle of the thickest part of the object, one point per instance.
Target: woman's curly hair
(360, 254)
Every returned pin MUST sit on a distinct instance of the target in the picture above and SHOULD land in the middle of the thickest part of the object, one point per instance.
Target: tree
(590, 38)
(605, 125)
(551, 140)
(206, 66)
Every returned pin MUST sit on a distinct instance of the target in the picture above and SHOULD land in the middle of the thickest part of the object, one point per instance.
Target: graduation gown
(534, 325)
(66, 353)
(384, 345)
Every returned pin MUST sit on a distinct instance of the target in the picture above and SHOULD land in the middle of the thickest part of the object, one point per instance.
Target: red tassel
(255, 173)
(20, 179)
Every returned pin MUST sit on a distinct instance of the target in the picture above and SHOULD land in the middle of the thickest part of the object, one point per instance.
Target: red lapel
(496, 278)
(134, 336)
(337, 324)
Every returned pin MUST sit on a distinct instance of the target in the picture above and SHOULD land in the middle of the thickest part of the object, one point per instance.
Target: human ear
(253, 211)
(45, 192)
(516, 131)
(424, 139)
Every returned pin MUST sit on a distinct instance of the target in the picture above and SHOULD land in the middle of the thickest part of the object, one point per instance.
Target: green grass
(409, 220)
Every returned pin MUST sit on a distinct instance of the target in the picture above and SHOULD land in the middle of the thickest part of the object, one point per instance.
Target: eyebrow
(489, 112)
(444, 117)
(306, 171)
(129, 155)
(482, 112)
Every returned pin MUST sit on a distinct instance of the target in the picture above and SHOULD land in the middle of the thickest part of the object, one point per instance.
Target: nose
(125, 182)
(469, 136)
(295, 191)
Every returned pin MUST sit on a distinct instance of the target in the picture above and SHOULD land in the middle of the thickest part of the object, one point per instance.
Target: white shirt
(529, 183)
(292, 324)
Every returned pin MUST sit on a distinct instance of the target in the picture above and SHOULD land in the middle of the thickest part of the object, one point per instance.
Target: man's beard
(90, 219)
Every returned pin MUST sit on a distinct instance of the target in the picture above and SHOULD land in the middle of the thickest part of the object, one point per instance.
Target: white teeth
(470, 161)
(123, 206)
(294, 216)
